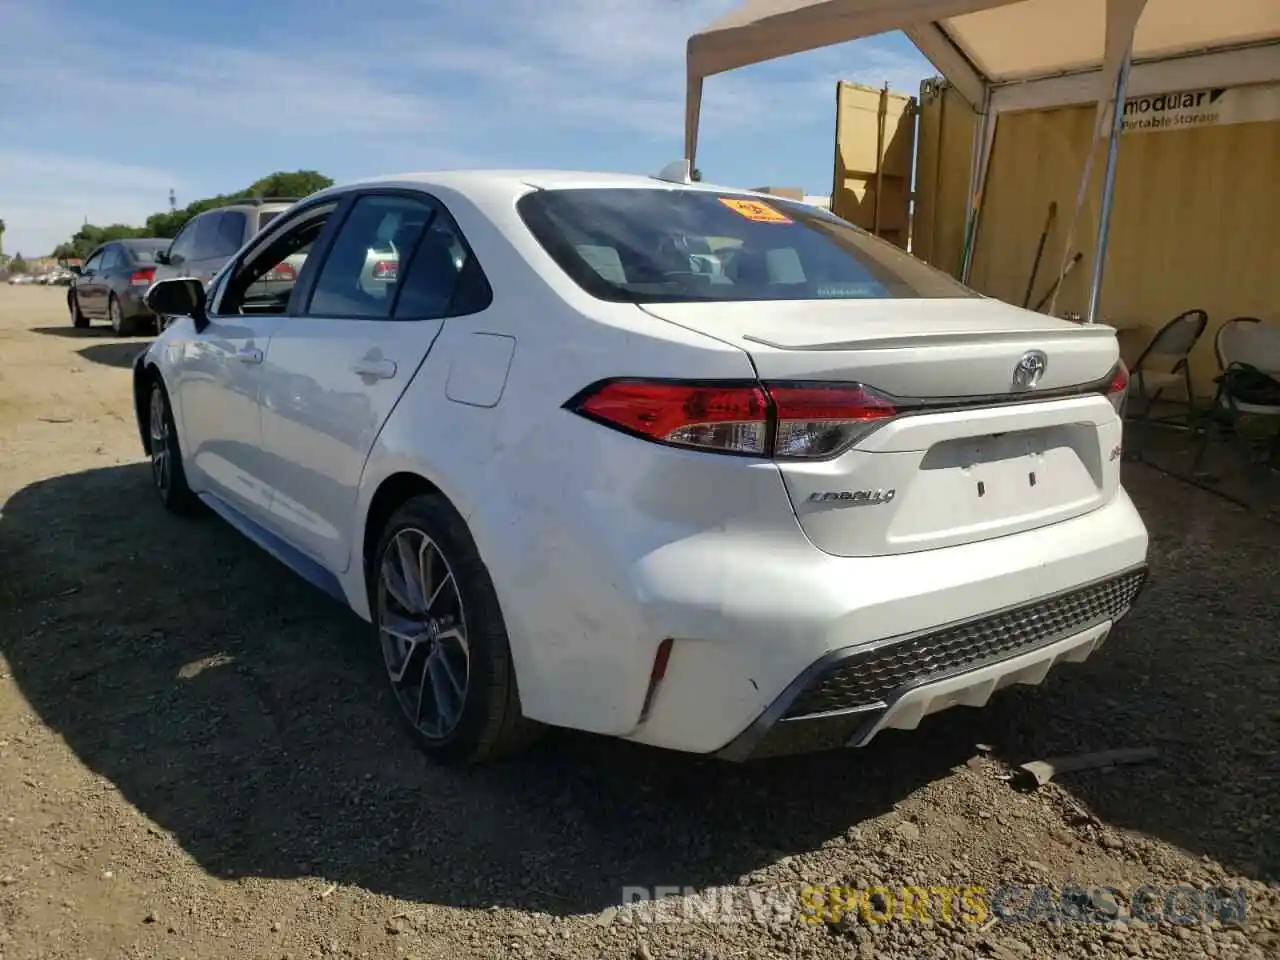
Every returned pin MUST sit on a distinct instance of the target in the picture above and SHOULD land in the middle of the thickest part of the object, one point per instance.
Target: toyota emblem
(1027, 374)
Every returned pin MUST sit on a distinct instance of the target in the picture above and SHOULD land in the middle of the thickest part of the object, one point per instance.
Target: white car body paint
(601, 545)
(478, 373)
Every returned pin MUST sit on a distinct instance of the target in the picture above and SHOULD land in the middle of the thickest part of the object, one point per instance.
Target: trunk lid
(976, 460)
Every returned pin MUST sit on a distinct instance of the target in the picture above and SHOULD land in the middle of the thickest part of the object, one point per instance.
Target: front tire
(442, 637)
(167, 475)
(78, 319)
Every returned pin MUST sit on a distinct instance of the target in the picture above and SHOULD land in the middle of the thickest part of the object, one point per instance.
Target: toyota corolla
(681, 464)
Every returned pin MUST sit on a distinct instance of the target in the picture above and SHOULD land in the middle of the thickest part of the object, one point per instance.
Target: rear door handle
(249, 355)
(379, 369)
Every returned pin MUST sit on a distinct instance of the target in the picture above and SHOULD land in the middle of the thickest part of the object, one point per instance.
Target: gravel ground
(200, 760)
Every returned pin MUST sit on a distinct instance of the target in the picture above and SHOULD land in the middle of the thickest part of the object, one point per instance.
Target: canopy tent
(1016, 55)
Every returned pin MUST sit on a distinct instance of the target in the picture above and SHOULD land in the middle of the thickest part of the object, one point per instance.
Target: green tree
(1, 238)
(167, 223)
(90, 235)
(18, 265)
(299, 184)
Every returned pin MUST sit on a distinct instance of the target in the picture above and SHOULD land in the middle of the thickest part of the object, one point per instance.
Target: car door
(222, 368)
(90, 289)
(340, 364)
(114, 274)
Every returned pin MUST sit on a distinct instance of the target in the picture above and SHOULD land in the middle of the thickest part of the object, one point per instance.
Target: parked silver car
(210, 239)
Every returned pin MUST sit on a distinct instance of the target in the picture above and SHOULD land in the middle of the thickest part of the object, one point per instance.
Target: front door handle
(378, 369)
(249, 355)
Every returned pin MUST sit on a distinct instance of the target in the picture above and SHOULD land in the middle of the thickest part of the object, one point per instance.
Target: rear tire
(78, 319)
(120, 324)
(167, 475)
(442, 637)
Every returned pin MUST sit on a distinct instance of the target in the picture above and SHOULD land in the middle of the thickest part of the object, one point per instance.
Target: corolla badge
(853, 498)
(1030, 369)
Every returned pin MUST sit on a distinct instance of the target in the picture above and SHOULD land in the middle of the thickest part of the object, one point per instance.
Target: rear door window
(205, 244)
(655, 245)
(444, 278)
(361, 272)
(230, 233)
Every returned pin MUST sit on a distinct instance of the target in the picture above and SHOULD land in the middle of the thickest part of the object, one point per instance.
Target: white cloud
(444, 83)
(69, 72)
(618, 65)
(44, 198)
(76, 65)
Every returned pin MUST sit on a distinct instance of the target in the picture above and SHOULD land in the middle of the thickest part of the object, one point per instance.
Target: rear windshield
(145, 254)
(654, 245)
(266, 216)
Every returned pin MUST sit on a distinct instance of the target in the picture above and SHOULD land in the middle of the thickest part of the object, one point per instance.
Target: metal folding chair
(1248, 353)
(1166, 364)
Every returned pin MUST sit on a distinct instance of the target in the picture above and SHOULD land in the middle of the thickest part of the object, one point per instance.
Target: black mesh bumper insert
(883, 671)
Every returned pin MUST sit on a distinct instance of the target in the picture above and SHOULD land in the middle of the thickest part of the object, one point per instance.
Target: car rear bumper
(851, 695)
(133, 302)
(807, 652)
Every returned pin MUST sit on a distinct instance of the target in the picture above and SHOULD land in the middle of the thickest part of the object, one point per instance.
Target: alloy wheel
(423, 631)
(117, 318)
(160, 468)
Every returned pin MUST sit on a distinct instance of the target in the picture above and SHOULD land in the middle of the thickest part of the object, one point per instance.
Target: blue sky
(104, 107)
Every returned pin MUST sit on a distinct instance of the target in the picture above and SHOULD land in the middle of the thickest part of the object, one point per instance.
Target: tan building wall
(874, 145)
(1196, 221)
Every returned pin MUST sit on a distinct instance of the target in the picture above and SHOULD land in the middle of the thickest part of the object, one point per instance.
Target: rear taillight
(1118, 387)
(790, 421)
(282, 271)
(143, 277)
(819, 420)
(727, 418)
(385, 270)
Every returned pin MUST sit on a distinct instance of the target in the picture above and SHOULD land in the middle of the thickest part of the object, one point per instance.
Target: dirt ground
(198, 758)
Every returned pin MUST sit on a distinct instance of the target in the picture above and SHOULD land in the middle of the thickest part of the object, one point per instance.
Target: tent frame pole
(977, 173)
(1108, 188)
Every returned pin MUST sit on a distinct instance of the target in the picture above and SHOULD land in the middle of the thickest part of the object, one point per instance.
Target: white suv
(676, 463)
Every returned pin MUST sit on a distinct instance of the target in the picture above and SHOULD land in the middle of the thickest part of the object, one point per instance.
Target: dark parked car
(112, 285)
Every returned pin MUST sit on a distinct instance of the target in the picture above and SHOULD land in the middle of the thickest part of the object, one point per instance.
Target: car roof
(278, 203)
(145, 242)
(517, 182)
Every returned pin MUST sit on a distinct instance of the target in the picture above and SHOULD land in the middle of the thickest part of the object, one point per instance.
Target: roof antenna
(678, 171)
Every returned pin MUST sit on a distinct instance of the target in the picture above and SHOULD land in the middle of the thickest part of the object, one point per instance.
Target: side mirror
(179, 297)
(162, 258)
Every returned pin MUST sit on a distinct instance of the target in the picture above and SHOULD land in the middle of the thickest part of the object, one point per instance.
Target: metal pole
(986, 130)
(881, 114)
(1108, 188)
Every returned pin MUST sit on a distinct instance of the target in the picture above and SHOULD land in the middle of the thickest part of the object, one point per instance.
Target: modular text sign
(1201, 108)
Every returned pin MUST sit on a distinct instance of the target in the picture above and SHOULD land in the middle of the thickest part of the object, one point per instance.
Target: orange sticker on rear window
(754, 210)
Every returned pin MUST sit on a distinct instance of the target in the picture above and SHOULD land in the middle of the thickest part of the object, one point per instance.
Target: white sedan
(665, 461)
